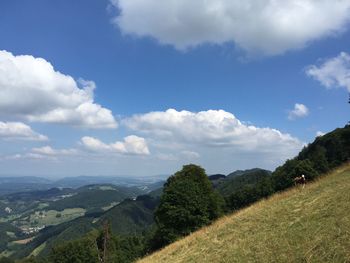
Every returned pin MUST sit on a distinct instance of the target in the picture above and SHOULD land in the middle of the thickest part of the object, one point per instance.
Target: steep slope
(8, 233)
(53, 235)
(131, 216)
(299, 225)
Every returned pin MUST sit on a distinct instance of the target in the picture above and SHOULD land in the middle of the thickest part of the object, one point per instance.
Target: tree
(305, 167)
(319, 159)
(79, 251)
(6, 260)
(188, 203)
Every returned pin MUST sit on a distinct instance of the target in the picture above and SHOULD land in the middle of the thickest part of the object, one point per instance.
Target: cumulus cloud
(266, 26)
(333, 72)
(212, 128)
(131, 145)
(299, 111)
(19, 131)
(46, 153)
(32, 89)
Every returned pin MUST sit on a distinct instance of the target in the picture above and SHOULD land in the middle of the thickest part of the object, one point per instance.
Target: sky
(142, 87)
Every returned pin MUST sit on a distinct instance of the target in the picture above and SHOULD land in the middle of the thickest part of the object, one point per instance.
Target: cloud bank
(333, 72)
(31, 89)
(212, 128)
(49, 151)
(167, 139)
(19, 131)
(268, 27)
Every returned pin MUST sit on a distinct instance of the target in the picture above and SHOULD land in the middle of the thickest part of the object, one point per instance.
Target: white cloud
(333, 73)
(30, 88)
(46, 153)
(320, 133)
(190, 154)
(185, 156)
(212, 128)
(19, 131)
(269, 27)
(49, 151)
(167, 157)
(299, 111)
(29, 156)
(131, 145)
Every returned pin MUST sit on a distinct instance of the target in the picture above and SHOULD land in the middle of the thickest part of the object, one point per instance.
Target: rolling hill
(22, 183)
(131, 216)
(299, 225)
(127, 218)
(239, 179)
(234, 181)
(92, 197)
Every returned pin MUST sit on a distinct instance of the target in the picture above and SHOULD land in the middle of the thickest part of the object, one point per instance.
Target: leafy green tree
(6, 260)
(305, 167)
(319, 160)
(78, 251)
(32, 259)
(282, 177)
(128, 248)
(188, 203)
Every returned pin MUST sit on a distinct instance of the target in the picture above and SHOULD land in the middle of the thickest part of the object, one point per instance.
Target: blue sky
(140, 64)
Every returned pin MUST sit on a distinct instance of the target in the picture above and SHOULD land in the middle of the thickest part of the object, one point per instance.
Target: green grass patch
(53, 217)
(37, 250)
(42, 205)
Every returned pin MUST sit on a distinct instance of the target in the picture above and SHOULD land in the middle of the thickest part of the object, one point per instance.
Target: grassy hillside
(299, 225)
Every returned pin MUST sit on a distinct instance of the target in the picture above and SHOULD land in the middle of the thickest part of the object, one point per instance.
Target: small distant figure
(300, 180)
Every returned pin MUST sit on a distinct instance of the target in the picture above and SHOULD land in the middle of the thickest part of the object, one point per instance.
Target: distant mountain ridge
(247, 171)
(16, 184)
(241, 178)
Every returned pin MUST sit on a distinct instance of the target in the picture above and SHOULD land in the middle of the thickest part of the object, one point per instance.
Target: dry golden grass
(299, 225)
